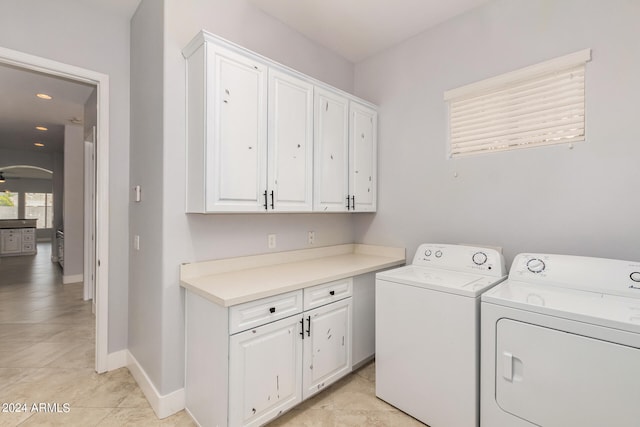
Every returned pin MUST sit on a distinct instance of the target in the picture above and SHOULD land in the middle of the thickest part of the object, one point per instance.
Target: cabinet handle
(265, 200)
(309, 328)
(271, 199)
(353, 203)
(272, 310)
(332, 292)
(348, 205)
(302, 328)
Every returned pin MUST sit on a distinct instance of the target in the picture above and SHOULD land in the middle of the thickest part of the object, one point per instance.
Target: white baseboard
(163, 406)
(75, 278)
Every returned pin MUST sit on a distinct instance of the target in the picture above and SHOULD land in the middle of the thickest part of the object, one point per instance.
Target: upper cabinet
(264, 138)
(345, 154)
(227, 138)
(290, 148)
(331, 145)
(363, 157)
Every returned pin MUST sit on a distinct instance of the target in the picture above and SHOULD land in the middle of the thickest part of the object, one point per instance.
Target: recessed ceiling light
(41, 128)
(38, 144)
(44, 96)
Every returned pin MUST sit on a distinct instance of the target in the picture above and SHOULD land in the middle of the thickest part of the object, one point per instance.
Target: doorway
(100, 258)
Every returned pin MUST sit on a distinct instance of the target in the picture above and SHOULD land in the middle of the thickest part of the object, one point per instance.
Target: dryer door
(553, 378)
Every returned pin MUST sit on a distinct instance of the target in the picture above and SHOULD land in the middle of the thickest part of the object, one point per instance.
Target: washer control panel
(607, 276)
(461, 258)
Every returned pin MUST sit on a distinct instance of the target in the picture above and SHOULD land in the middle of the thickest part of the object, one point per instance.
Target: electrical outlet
(271, 241)
(311, 237)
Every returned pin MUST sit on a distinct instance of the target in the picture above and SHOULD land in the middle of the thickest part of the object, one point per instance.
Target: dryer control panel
(471, 259)
(602, 275)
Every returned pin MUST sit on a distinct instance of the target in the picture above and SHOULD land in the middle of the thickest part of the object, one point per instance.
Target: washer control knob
(427, 252)
(635, 276)
(536, 265)
(438, 254)
(479, 258)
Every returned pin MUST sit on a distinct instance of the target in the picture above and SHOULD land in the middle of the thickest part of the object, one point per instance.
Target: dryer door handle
(507, 366)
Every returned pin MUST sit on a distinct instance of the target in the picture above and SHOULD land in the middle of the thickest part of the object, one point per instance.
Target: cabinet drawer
(325, 293)
(28, 237)
(255, 313)
(30, 231)
(28, 247)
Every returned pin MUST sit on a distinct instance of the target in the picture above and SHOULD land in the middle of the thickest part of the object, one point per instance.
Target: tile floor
(47, 339)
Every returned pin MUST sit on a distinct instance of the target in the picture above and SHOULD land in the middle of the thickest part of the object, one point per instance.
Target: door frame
(89, 219)
(101, 82)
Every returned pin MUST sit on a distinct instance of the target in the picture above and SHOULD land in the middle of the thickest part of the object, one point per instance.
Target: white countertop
(232, 281)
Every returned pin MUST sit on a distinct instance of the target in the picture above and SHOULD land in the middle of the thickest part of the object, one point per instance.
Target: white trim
(89, 219)
(566, 61)
(101, 81)
(72, 278)
(163, 406)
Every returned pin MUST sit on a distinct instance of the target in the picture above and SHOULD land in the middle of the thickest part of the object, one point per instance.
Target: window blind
(538, 105)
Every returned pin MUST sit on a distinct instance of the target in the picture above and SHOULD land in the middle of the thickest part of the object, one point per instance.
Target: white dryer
(427, 332)
(561, 344)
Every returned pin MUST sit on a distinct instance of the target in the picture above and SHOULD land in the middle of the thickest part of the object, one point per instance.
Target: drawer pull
(332, 292)
(272, 310)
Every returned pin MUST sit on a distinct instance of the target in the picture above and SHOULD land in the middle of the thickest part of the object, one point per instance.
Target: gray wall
(76, 33)
(73, 208)
(145, 217)
(579, 201)
(156, 336)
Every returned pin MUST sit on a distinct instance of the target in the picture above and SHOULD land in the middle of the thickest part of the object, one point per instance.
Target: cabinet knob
(272, 310)
(332, 292)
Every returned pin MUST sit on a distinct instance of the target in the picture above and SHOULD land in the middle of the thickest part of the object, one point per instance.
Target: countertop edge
(380, 258)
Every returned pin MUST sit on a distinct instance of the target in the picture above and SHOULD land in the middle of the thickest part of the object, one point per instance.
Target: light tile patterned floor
(47, 340)
(350, 402)
(47, 344)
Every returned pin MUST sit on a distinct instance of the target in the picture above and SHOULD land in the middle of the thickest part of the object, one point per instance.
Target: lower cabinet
(248, 377)
(327, 346)
(265, 372)
(18, 241)
(11, 241)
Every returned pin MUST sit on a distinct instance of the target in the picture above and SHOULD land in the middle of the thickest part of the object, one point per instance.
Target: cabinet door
(265, 372)
(290, 148)
(362, 157)
(236, 133)
(11, 241)
(327, 346)
(331, 161)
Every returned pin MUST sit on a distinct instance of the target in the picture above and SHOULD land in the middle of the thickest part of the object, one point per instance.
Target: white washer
(561, 344)
(427, 332)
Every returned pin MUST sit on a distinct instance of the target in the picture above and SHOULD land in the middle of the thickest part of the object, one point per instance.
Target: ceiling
(117, 7)
(21, 111)
(357, 29)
